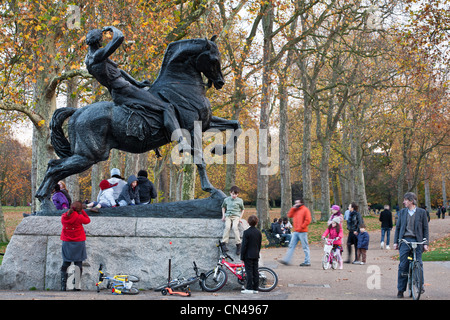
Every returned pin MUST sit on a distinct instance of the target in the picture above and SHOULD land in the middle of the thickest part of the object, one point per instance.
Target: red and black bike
(215, 279)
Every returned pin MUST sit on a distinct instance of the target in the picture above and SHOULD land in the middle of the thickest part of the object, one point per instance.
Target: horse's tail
(57, 137)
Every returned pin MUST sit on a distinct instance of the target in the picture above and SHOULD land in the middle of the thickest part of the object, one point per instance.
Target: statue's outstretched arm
(113, 45)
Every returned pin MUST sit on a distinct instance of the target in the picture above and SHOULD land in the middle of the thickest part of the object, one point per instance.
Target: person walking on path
(302, 218)
(73, 239)
(438, 212)
(232, 211)
(251, 245)
(386, 226)
(412, 225)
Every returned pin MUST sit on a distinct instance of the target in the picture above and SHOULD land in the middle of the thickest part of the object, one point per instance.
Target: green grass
(13, 216)
(439, 250)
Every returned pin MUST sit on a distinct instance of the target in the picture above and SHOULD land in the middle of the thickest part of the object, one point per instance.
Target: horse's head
(208, 62)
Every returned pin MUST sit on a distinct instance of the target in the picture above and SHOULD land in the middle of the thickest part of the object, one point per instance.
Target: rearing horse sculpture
(99, 127)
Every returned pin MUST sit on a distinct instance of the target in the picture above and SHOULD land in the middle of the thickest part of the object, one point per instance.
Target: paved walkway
(377, 280)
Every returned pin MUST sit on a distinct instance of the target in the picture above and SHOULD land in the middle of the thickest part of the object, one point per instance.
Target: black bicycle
(415, 272)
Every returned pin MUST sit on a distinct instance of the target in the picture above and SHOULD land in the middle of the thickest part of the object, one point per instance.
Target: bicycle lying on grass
(415, 271)
(215, 279)
(119, 283)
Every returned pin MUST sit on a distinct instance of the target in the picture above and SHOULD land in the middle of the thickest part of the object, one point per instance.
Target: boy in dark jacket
(363, 245)
(251, 245)
(147, 191)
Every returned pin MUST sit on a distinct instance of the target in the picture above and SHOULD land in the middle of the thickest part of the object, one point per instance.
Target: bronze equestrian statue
(142, 117)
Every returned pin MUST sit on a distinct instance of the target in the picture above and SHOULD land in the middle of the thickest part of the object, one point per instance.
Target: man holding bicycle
(412, 225)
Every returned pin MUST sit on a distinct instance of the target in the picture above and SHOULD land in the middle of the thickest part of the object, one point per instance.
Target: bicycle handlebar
(332, 241)
(413, 242)
(101, 276)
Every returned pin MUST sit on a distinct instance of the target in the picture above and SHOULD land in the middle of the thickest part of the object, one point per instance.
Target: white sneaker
(388, 248)
(255, 291)
(381, 245)
(245, 291)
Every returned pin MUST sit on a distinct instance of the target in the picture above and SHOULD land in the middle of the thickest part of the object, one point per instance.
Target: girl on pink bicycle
(334, 231)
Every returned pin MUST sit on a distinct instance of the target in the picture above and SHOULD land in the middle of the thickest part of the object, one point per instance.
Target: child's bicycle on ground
(182, 284)
(415, 272)
(329, 258)
(215, 279)
(119, 283)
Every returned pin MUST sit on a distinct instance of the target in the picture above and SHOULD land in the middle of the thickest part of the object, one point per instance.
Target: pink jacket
(332, 234)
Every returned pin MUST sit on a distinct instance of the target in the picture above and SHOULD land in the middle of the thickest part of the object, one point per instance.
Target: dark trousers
(251, 270)
(403, 267)
(352, 240)
(66, 264)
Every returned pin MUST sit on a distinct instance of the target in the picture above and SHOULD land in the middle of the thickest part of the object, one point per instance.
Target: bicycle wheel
(133, 278)
(334, 262)
(123, 290)
(268, 279)
(416, 281)
(213, 281)
(325, 261)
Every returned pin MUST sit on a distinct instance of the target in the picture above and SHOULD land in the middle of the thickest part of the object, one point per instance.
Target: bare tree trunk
(96, 177)
(160, 179)
(285, 166)
(3, 235)
(427, 188)
(325, 181)
(335, 187)
(444, 192)
(262, 201)
(360, 188)
(72, 183)
(114, 161)
(188, 181)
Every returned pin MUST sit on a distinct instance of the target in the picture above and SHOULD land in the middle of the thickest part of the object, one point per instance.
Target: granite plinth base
(132, 245)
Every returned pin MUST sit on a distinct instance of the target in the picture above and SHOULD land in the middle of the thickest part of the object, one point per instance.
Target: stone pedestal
(133, 245)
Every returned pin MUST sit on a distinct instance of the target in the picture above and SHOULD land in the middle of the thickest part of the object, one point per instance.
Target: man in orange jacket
(302, 218)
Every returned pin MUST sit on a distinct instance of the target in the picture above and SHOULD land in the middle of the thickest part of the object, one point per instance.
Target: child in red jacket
(73, 239)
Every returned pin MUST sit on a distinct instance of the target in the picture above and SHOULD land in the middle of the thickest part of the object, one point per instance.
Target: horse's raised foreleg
(222, 124)
(60, 169)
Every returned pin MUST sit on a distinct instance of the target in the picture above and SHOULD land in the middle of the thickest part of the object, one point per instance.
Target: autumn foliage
(356, 96)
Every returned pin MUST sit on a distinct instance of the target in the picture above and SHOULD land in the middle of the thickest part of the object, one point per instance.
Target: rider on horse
(124, 89)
